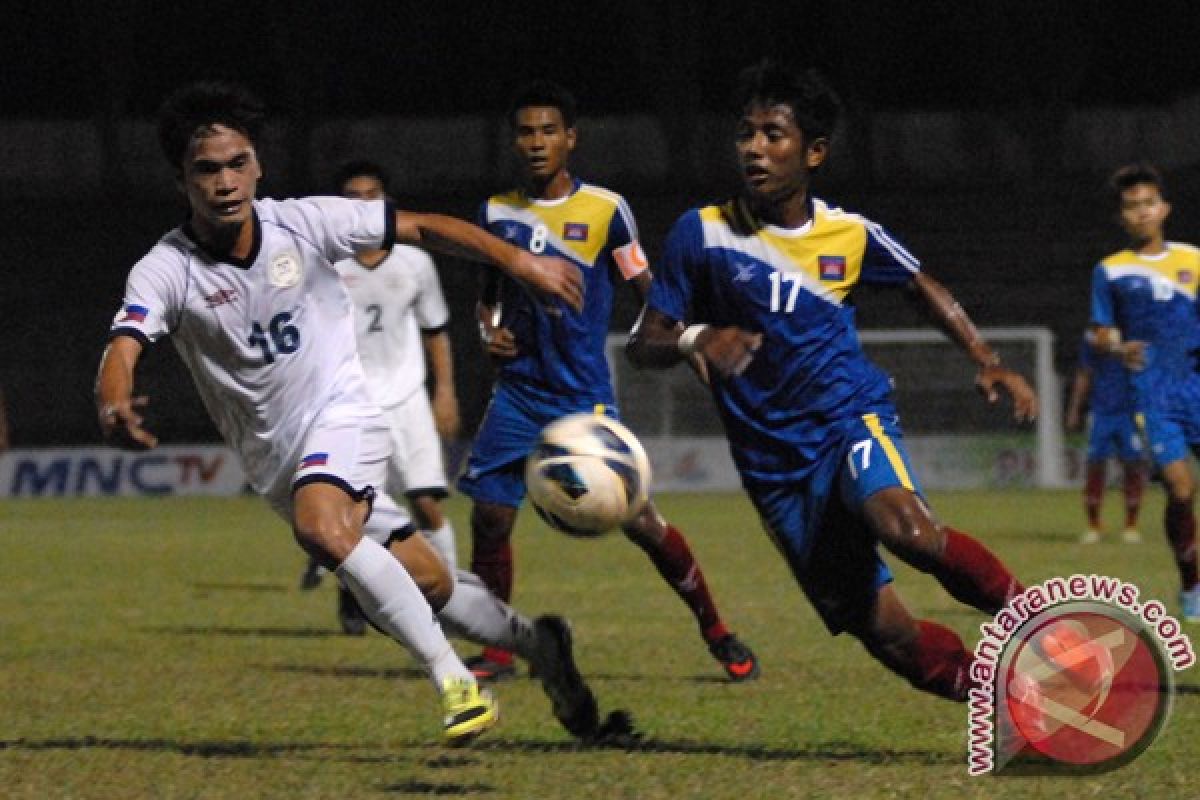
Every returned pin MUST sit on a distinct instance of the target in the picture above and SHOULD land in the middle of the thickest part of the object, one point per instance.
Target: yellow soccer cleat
(469, 711)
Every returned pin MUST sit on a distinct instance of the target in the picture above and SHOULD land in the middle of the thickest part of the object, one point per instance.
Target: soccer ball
(587, 475)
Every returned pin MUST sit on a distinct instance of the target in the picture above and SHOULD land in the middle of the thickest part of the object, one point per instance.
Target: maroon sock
(941, 663)
(973, 575)
(1181, 533)
(1093, 492)
(1135, 483)
(492, 561)
(674, 560)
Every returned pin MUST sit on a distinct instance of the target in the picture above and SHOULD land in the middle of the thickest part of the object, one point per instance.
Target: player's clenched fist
(728, 350)
(121, 425)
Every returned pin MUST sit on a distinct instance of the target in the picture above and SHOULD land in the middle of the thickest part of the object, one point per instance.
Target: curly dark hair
(815, 106)
(201, 105)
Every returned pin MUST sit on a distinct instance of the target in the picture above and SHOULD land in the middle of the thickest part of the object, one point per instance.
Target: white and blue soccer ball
(587, 475)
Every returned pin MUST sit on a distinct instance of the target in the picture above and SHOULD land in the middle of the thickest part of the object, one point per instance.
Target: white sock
(476, 614)
(442, 540)
(393, 602)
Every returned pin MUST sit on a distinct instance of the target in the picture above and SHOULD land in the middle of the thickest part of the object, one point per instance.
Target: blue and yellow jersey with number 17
(724, 267)
(563, 350)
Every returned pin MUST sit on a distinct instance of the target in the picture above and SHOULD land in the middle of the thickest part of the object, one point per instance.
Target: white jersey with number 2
(393, 302)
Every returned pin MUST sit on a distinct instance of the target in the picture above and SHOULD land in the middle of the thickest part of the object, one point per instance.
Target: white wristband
(687, 339)
(1114, 342)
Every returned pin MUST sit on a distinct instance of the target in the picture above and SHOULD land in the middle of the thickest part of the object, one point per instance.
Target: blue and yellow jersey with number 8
(724, 267)
(1152, 299)
(564, 350)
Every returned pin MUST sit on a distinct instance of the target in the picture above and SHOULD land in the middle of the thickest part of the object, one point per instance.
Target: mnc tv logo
(63, 472)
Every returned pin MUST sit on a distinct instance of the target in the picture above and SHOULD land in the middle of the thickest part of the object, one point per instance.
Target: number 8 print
(537, 239)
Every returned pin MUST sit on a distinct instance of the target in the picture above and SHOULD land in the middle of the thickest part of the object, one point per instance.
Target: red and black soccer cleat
(739, 661)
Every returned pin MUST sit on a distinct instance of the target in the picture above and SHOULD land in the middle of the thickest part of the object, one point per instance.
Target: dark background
(1015, 246)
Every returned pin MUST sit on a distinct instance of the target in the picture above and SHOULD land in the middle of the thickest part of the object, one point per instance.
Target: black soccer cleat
(739, 661)
(573, 702)
(350, 613)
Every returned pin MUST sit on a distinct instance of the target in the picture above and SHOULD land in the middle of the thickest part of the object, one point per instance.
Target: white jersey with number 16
(269, 340)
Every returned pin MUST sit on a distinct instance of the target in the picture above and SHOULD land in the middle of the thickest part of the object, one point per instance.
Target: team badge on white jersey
(285, 270)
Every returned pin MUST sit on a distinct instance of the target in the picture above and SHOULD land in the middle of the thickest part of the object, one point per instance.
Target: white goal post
(1029, 350)
(955, 438)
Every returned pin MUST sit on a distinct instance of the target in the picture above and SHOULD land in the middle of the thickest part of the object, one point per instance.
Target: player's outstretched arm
(658, 342)
(116, 407)
(945, 312)
(455, 237)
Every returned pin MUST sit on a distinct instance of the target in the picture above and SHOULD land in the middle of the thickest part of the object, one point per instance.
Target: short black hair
(361, 168)
(543, 93)
(815, 106)
(1135, 174)
(202, 105)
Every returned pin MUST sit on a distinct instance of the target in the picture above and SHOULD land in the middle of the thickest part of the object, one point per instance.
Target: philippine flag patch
(575, 231)
(833, 268)
(314, 460)
(134, 314)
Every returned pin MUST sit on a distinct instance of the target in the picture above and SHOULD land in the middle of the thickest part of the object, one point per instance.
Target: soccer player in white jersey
(399, 310)
(247, 291)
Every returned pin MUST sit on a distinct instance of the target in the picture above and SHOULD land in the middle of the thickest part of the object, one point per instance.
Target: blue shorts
(1170, 434)
(818, 523)
(1114, 435)
(1170, 421)
(495, 471)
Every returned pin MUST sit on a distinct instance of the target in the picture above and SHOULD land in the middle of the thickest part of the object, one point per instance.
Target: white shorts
(346, 446)
(416, 466)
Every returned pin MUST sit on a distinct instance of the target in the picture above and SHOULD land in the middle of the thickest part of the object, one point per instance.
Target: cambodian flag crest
(314, 460)
(134, 314)
(575, 231)
(833, 268)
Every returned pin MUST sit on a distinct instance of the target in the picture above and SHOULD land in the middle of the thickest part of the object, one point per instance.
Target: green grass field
(162, 649)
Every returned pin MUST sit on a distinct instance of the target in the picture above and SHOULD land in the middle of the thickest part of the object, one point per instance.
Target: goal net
(954, 437)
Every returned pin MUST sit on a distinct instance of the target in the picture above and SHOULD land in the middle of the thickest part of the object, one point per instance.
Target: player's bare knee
(437, 586)
(324, 539)
(904, 526)
(646, 527)
(426, 568)
(327, 522)
(1181, 494)
(427, 512)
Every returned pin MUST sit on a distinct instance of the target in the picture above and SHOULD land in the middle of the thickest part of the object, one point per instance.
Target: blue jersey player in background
(1103, 385)
(761, 284)
(1144, 314)
(551, 361)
